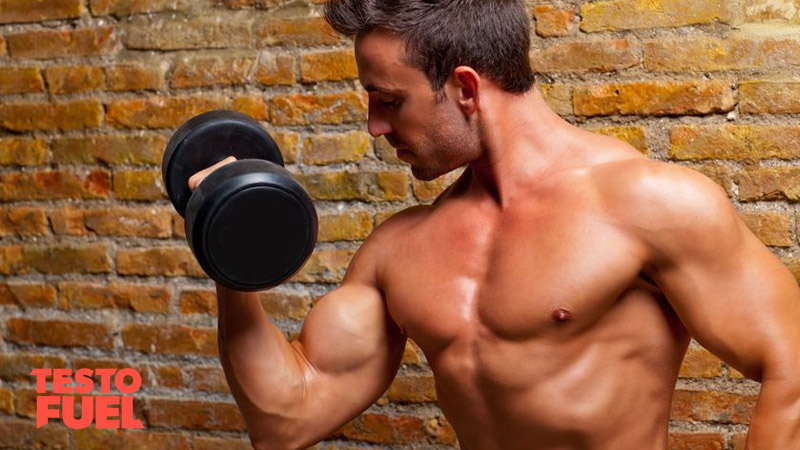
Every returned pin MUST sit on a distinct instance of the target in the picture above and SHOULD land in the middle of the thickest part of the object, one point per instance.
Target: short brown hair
(491, 36)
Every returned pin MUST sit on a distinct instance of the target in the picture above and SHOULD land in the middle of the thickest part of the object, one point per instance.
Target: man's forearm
(776, 419)
(261, 367)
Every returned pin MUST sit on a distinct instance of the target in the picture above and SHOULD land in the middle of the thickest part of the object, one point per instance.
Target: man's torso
(538, 322)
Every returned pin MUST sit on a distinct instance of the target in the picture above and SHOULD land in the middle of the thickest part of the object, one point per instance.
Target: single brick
(177, 32)
(20, 80)
(17, 11)
(147, 222)
(10, 259)
(231, 443)
(774, 229)
(275, 70)
(655, 98)
(209, 379)
(636, 14)
(23, 434)
(163, 261)
(121, 8)
(62, 44)
(24, 152)
(135, 77)
(135, 150)
(552, 22)
(440, 431)
(178, 226)
(635, 136)
(385, 429)
(94, 438)
(66, 258)
(765, 97)
(327, 109)
(585, 56)
(3, 47)
(348, 226)
(170, 339)
(194, 415)
(366, 186)
(333, 65)
(703, 53)
(23, 221)
(27, 295)
(211, 71)
(700, 363)
(558, 98)
(412, 389)
(139, 185)
(17, 367)
(715, 407)
(60, 333)
(325, 267)
(159, 112)
(138, 298)
(169, 377)
(285, 305)
(289, 143)
(736, 142)
(69, 221)
(696, 441)
(335, 148)
(427, 191)
(74, 79)
(276, 31)
(73, 115)
(253, 106)
(778, 183)
(6, 401)
(198, 302)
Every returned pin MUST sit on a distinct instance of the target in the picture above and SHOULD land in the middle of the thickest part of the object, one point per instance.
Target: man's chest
(518, 276)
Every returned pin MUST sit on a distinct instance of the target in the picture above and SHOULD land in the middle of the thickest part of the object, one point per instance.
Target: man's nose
(377, 124)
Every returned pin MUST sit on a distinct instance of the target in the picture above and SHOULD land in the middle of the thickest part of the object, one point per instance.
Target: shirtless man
(553, 288)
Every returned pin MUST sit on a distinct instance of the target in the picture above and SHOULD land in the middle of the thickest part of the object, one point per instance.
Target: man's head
(425, 64)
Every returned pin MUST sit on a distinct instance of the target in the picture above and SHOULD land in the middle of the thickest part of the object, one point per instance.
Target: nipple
(561, 315)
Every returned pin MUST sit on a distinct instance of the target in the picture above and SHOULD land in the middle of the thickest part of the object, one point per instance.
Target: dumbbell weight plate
(198, 144)
(251, 225)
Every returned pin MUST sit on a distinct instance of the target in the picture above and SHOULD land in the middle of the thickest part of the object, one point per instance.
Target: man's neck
(524, 141)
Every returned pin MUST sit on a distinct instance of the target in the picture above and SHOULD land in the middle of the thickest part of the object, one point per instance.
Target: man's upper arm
(733, 295)
(349, 349)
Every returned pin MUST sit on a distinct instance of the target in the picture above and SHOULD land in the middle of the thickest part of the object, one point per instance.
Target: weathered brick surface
(113, 149)
(139, 185)
(253, 106)
(122, 8)
(194, 415)
(12, 11)
(773, 229)
(710, 406)
(552, 22)
(700, 363)
(282, 305)
(368, 186)
(615, 15)
(337, 148)
(412, 389)
(168, 32)
(170, 339)
(294, 31)
(205, 71)
(66, 116)
(328, 66)
(209, 379)
(18, 366)
(24, 151)
(72, 295)
(781, 183)
(325, 267)
(23, 434)
(765, 97)
(384, 429)
(59, 259)
(275, 70)
(737, 142)
(635, 136)
(696, 441)
(558, 97)
(20, 80)
(93, 438)
(198, 302)
(64, 43)
(163, 261)
(585, 56)
(703, 53)
(27, 295)
(159, 112)
(23, 221)
(305, 109)
(352, 226)
(655, 98)
(134, 77)
(74, 79)
(60, 333)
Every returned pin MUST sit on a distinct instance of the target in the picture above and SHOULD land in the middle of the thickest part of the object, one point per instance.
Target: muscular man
(553, 287)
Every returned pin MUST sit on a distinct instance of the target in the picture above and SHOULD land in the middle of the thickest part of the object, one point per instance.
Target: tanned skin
(553, 288)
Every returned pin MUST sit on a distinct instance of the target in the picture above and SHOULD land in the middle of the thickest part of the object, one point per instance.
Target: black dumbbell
(250, 225)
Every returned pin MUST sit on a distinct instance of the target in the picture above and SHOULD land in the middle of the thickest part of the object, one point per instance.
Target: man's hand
(198, 178)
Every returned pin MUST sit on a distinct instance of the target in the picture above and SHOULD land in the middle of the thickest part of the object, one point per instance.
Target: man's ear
(468, 83)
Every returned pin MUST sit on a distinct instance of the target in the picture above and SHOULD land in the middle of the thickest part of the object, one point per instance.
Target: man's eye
(391, 104)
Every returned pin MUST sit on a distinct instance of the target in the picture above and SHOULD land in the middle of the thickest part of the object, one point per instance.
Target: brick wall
(95, 271)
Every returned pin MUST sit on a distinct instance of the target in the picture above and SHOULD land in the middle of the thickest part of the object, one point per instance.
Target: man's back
(540, 327)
